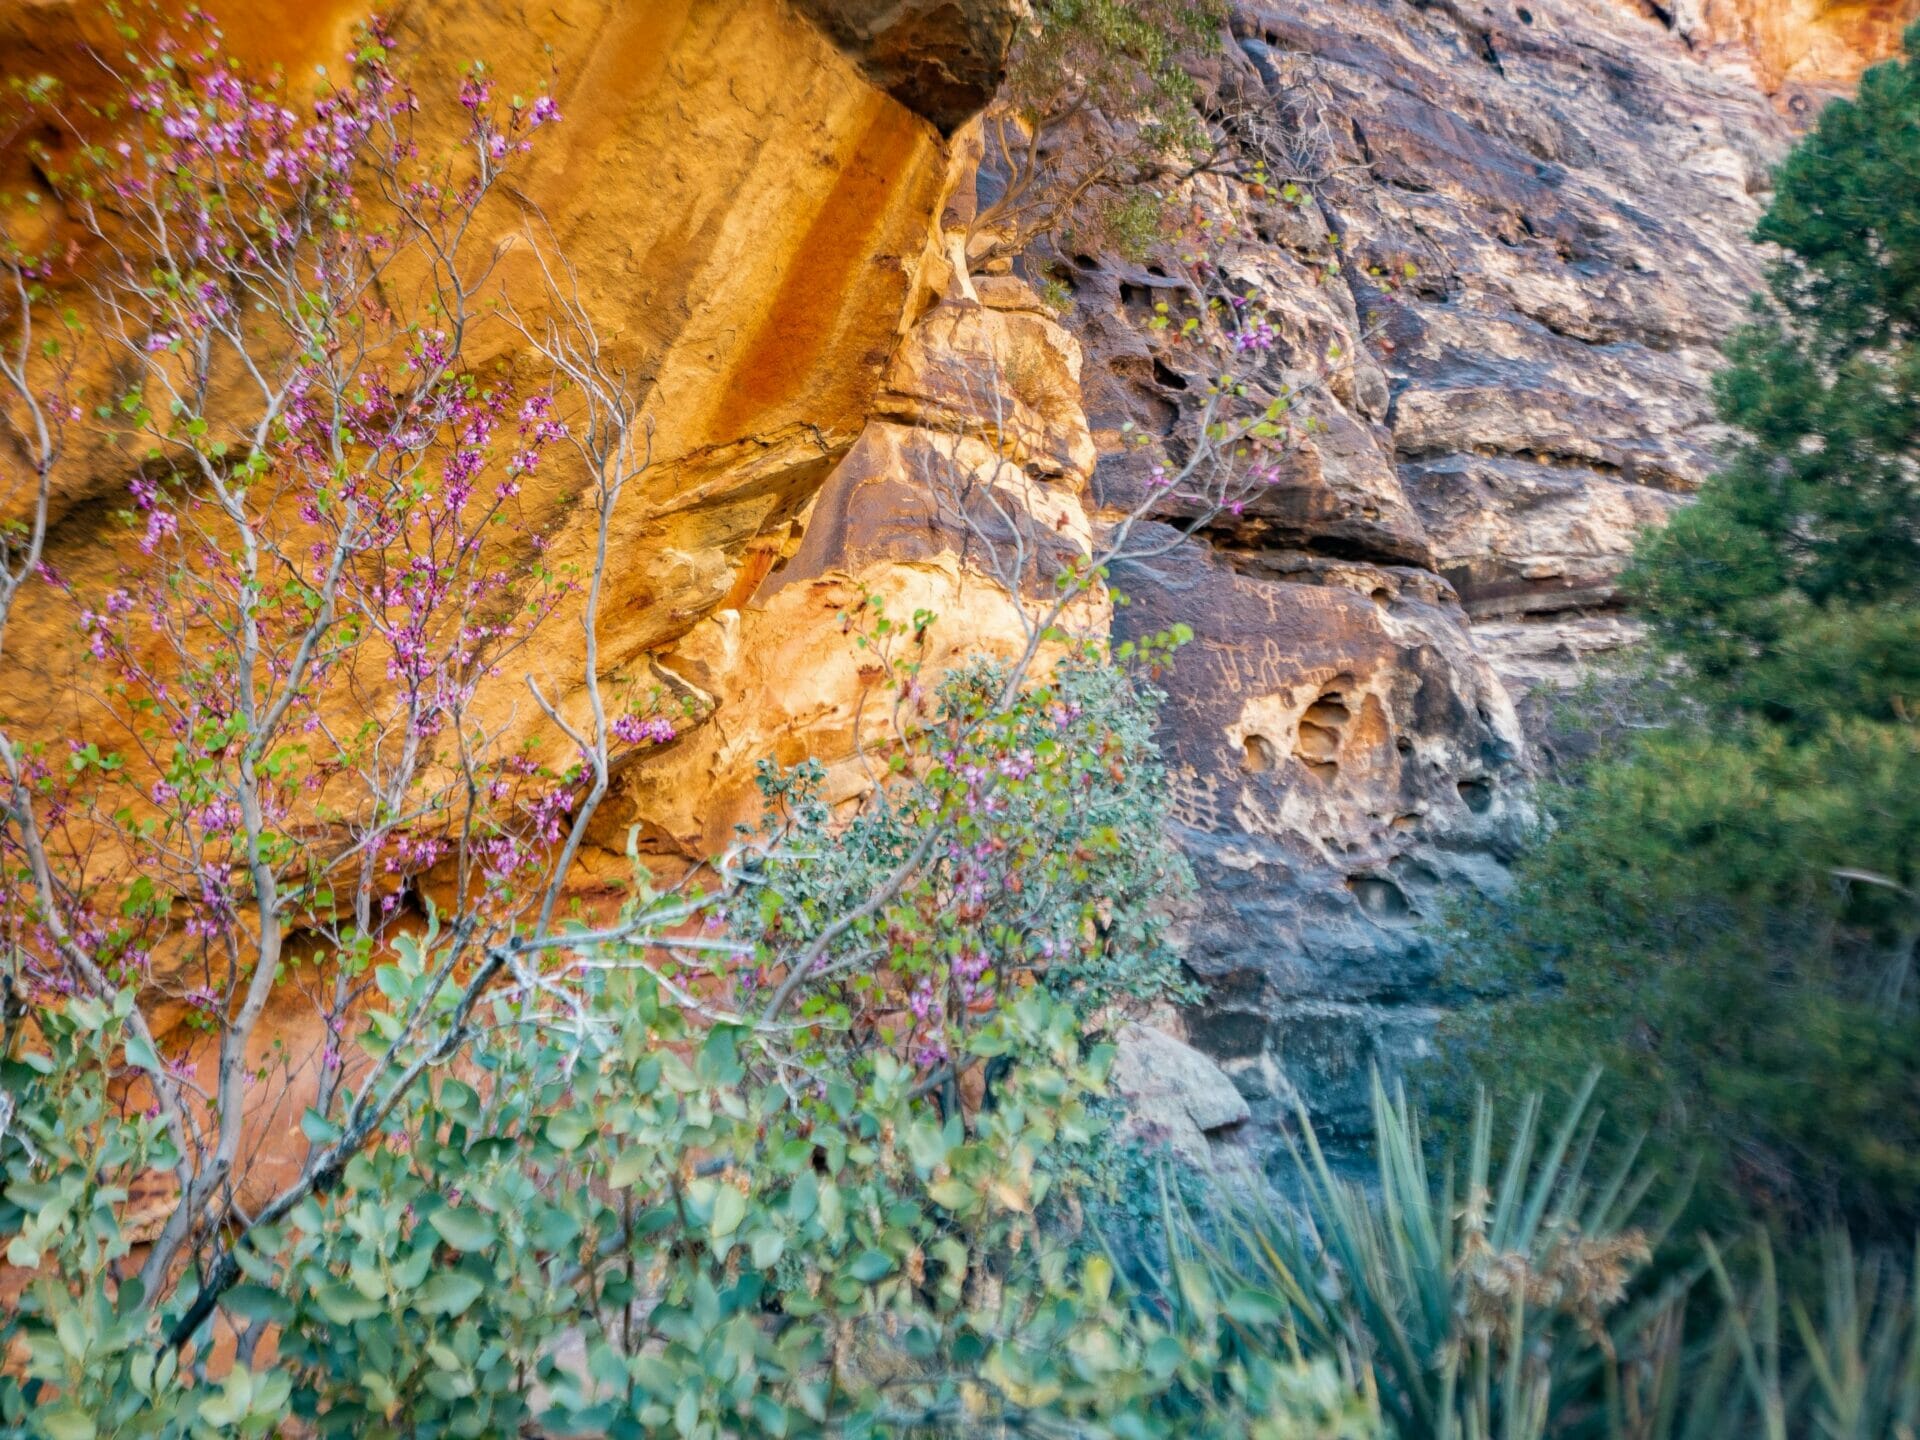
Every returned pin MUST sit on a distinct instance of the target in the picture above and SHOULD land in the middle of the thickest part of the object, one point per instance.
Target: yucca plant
(1496, 1306)
(1862, 1354)
(1477, 1307)
(1772, 1368)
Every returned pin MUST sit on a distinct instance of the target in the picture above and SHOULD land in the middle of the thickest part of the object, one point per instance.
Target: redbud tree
(686, 1126)
(275, 326)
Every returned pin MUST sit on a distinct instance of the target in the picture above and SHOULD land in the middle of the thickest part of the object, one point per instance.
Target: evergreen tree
(1728, 913)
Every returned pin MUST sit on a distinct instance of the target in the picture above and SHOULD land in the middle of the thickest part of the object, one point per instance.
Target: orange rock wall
(1800, 50)
(754, 218)
(747, 214)
(752, 213)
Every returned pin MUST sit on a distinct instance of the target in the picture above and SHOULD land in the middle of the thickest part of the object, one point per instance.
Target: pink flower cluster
(633, 730)
(1254, 339)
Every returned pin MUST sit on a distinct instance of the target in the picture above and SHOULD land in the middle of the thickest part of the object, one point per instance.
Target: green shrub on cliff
(1728, 916)
(1098, 112)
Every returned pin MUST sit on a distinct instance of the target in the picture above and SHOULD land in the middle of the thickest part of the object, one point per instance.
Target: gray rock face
(1346, 761)
(1521, 229)
(1174, 1095)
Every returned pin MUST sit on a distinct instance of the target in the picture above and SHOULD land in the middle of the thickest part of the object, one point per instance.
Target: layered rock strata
(1514, 237)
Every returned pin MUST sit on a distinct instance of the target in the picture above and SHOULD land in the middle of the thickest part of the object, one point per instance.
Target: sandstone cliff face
(1524, 240)
(983, 393)
(1521, 240)
(747, 212)
(1799, 51)
(747, 192)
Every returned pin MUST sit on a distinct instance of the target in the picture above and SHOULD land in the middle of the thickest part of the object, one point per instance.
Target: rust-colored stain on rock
(833, 258)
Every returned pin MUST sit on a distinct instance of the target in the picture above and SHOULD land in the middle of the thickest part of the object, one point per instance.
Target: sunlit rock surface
(750, 214)
(981, 396)
(1798, 51)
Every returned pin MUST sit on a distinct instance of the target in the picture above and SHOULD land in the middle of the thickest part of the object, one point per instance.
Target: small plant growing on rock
(1098, 110)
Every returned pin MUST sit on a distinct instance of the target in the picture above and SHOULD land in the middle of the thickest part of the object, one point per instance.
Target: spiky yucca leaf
(1484, 1305)
(1471, 1301)
(1773, 1368)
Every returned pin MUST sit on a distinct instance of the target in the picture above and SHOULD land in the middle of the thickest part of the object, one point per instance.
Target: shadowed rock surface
(1519, 241)
(941, 58)
(1346, 762)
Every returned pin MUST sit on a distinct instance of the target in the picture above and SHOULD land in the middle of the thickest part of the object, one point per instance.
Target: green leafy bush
(1713, 914)
(619, 1233)
(80, 1352)
(623, 1235)
(638, 1212)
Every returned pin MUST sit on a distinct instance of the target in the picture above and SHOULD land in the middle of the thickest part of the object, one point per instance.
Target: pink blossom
(161, 525)
(632, 730)
(1256, 338)
(218, 817)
